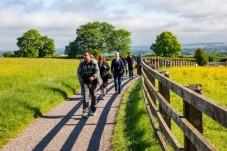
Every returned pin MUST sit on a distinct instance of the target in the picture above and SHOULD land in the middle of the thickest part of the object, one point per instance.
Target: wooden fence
(194, 104)
(159, 63)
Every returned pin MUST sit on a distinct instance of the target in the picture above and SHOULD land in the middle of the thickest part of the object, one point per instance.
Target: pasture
(214, 85)
(31, 87)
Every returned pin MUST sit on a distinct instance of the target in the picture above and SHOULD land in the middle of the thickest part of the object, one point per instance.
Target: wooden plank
(211, 108)
(190, 131)
(153, 123)
(165, 129)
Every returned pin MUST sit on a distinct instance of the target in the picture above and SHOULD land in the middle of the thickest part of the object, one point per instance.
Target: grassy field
(29, 88)
(214, 83)
(133, 130)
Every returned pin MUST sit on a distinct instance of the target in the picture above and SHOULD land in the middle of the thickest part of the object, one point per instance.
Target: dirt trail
(62, 128)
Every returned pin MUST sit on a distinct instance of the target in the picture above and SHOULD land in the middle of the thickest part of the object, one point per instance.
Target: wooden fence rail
(194, 105)
(159, 63)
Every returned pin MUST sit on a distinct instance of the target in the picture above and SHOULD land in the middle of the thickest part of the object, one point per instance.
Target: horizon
(145, 45)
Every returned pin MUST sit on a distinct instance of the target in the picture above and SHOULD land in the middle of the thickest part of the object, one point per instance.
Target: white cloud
(189, 20)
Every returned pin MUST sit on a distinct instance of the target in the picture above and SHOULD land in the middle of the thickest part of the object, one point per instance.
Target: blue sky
(190, 20)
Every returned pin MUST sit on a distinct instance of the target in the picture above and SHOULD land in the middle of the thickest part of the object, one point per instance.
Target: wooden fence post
(166, 94)
(194, 116)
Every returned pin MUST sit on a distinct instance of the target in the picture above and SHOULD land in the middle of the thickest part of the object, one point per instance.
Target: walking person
(117, 68)
(139, 64)
(89, 76)
(104, 70)
(130, 61)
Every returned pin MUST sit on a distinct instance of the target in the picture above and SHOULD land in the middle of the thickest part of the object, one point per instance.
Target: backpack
(84, 76)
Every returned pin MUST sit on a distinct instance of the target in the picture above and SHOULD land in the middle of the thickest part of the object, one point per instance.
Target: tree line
(98, 38)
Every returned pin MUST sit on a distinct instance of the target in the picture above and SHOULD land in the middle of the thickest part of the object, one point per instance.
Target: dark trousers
(139, 69)
(130, 69)
(117, 81)
(89, 90)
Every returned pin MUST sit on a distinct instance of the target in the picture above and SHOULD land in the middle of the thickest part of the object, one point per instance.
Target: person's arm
(112, 66)
(79, 73)
(97, 71)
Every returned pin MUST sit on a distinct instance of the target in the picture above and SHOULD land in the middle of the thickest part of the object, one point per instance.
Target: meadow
(214, 86)
(31, 87)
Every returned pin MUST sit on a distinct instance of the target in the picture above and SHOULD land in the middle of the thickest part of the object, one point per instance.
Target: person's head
(87, 56)
(117, 56)
(140, 55)
(101, 58)
(129, 54)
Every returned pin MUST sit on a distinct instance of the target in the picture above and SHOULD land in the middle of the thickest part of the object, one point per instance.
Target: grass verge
(133, 130)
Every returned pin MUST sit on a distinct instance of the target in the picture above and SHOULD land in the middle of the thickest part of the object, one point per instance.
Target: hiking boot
(103, 97)
(85, 115)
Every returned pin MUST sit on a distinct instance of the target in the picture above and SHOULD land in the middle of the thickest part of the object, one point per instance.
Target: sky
(191, 21)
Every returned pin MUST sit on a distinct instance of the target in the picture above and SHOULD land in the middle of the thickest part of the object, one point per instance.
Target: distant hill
(218, 48)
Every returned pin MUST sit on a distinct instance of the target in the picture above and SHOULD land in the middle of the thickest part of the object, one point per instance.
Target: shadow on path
(96, 136)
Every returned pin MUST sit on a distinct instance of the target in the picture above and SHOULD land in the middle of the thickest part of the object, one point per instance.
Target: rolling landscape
(217, 48)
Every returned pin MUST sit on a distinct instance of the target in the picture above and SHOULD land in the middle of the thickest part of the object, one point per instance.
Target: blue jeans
(117, 81)
(89, 90)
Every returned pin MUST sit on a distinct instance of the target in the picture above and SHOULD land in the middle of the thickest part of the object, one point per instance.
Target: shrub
(201, 57)
(8, 54)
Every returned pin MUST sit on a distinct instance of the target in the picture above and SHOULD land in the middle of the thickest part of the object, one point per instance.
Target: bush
(212, 57)
(8, 54)
(201, 57)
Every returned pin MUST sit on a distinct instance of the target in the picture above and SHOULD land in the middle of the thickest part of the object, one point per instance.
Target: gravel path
(62, 128)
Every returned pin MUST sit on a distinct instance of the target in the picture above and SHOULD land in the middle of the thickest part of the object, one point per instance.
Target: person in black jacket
(130, 61)
(89, 77)
(117, 68)
(104, 70)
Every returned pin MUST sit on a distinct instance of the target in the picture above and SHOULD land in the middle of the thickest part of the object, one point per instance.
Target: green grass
(31, 87)
(214, 85)
(133, 130)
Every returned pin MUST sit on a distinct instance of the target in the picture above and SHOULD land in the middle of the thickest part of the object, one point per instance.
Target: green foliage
(73, 50)
(201, 57)
(32, 44)
(30, 87)
(96, 53)
(120, 41)
(212, 57)
(100, 36)
(8, 54)
(133, 130)
(166, 45)
(48, 47)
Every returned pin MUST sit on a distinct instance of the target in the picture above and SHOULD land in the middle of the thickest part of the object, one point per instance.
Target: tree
(98, 36)
(166, 45)
(120, 41)
(33, 44)
(73, 49)
(201, 57)
(8, 54)
(47, 48)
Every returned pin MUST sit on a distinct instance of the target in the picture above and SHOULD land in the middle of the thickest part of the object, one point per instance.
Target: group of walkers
(92, 73)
